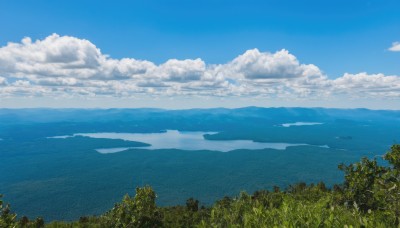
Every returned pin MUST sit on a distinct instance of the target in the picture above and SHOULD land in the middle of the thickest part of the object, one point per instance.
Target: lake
(300, 124)
(184, 140)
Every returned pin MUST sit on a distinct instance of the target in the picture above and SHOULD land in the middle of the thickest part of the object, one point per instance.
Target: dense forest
(368, 197)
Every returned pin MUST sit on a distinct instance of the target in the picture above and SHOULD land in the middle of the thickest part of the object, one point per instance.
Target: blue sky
(338, 37)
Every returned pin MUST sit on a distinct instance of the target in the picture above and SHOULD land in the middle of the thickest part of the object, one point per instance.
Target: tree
(371, 186)
(192, 205)
(39, 222)
(7, 218)
(393, 157)
(24, 221)
(360, 179)
(140, 211)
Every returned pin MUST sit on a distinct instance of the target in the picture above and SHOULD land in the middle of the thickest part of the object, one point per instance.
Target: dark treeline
(369, 197)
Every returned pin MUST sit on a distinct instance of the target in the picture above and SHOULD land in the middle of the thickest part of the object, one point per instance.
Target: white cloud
(180, 70)
(365, 85)
(254, 64)
(395, 46)
(65, 56)
(3, 81)
(64, 66)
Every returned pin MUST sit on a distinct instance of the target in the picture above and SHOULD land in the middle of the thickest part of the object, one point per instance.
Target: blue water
(173, 139)
(63, 178)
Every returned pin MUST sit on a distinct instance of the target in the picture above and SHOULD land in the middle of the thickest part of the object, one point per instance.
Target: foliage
(140, 211)
(374, 187)
(369, 197)
(7, 218)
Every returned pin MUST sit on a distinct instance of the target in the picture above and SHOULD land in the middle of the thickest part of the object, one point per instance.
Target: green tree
(360, 180)
(369, 186)
(7, 218)
(192, 205)
(39, 222)
(140, 211)
(24, 221)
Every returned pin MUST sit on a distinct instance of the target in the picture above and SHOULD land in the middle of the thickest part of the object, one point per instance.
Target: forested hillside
(369, 197)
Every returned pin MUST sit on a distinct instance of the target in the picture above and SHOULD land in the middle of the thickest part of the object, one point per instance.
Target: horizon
(187, 109)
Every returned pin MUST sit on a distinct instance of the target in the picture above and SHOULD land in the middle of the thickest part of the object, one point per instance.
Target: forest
(368, 197)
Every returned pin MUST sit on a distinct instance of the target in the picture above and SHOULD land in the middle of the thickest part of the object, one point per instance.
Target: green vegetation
(369, 197)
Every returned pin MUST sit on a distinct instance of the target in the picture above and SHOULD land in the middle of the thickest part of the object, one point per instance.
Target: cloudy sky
(186, 54)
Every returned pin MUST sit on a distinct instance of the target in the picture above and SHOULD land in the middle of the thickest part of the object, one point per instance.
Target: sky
(197, 54)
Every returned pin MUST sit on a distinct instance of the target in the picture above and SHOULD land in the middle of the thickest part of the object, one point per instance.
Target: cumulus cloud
(254, 64)
(395, 46)
(64, 66)
(372, 85)
(180, 70)
(65, 56)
